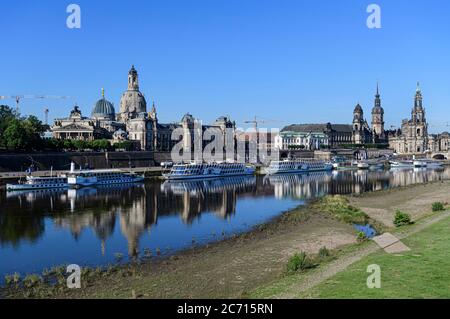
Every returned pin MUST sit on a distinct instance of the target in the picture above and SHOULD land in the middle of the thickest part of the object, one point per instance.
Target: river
(99, 226)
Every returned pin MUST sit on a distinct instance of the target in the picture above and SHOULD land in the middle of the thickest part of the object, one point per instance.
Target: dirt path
(314, 278)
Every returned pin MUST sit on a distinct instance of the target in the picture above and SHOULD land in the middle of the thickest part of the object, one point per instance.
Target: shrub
(8, 280)
(324, 252)
(401, 219)
(361, 237)
(31, 280)
(299, 262)
(437, 207)
(339, 207)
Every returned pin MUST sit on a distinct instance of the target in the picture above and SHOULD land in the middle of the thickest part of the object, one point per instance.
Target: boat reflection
(177, 210)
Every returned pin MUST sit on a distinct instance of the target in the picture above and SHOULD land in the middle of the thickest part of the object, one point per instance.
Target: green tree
(6, 116)
(79, 144)
(15, 136)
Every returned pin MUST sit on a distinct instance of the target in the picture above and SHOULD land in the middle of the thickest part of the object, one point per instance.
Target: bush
(340, 208)
(437, 207)
(324, 252)
(361, 237)
(401, 219)
(299, 262)
(32, 280)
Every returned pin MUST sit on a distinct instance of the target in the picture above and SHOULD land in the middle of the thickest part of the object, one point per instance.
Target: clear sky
(295, 61)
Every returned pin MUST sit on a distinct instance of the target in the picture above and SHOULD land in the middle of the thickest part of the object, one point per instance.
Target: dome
(187, 118)
(103, 109)
(358, 109)
(133, 102)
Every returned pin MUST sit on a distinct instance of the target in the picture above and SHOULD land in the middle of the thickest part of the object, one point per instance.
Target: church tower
(358, 125)
(418, 112)
(133, 81)
(132, 102)
(377, 118)
(418, 128)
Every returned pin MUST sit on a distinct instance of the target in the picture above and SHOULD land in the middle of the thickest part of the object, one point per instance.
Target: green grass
(421, 273)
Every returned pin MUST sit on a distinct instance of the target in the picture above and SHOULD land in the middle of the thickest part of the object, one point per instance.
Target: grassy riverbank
(252, 264)
(419, 273)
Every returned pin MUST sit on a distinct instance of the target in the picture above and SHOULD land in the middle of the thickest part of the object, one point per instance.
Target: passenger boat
(208, 170)
(85, 178)
(420, 164)
(36, 183)
(298, 166)
(401, 164)
(341, 162)
(362, 165)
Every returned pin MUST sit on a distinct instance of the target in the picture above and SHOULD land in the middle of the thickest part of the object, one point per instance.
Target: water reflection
(91, 224)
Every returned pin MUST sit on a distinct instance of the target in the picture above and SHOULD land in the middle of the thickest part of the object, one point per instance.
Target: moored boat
(362, 165)
(420, 163)
(208, 170)
(402, 164)
(85, 178)
(35, 183)
(298, 166)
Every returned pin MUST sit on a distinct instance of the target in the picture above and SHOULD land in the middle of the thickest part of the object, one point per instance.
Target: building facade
(413, 136)
(134, 123)
(362, 132)
(313, 136)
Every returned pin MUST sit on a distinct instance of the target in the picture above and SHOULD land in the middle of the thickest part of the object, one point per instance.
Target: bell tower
(378, 116)
(133, 81)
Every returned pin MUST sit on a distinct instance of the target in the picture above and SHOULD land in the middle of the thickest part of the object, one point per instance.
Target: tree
(15, 136)
(79, 144)
(6, 116)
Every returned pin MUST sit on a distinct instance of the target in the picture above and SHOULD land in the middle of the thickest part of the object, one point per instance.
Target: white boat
(362, 165)
(85, 178)
(402, 164)
(36, 183)
(420, 163)
(208, 170)
(340, 162)
(298, 166)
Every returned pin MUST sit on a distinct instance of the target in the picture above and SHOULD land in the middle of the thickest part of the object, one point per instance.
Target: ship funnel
(72, 167)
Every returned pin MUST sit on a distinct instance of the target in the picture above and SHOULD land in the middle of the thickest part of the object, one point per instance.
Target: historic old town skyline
(211, 60)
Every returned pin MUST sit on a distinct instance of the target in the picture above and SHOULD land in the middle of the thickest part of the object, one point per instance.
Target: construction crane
(46, 110)
(18, 98)
(256, 123)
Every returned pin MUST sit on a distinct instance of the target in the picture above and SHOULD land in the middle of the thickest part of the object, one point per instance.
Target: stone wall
(61, 161)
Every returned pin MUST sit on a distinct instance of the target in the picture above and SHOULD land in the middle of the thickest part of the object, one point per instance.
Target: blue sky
(294, 61)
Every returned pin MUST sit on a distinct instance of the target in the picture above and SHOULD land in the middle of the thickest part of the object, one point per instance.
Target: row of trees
(79, 145)
(19, 133)
(25, 134)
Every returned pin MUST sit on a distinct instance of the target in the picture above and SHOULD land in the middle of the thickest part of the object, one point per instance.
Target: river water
(98, 226)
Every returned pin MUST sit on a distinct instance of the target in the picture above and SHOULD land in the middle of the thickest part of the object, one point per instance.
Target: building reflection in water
(137, 208)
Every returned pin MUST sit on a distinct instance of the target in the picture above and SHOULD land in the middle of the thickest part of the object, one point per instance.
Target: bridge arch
(439, 157)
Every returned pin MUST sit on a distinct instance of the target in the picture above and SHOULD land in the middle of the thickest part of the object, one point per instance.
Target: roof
(73, 127)
(317, 128)
(103, 108)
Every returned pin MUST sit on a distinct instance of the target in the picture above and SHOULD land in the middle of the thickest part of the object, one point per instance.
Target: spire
(378, 91)
(418, 87)
(103, 93)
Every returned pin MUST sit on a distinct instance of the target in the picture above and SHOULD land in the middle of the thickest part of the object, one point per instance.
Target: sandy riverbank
(234, 267)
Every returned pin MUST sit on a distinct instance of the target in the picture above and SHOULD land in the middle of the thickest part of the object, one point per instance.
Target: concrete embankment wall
(61, 161)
